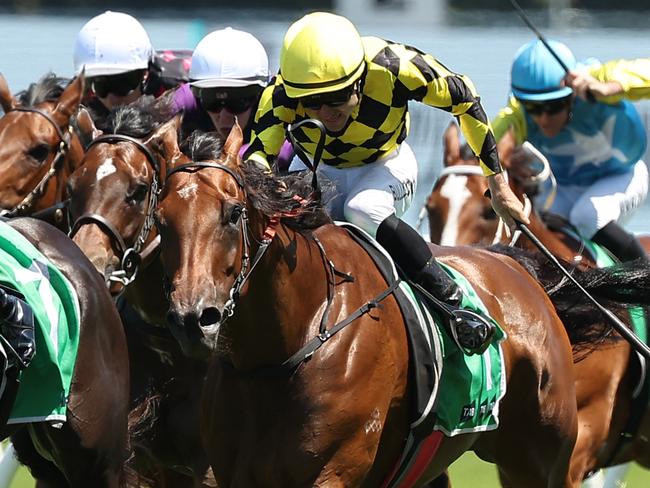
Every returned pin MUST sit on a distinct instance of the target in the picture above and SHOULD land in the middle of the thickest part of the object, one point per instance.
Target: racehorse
(42, 135)
(254, 275)
(113, 196)
(90, 447)
(606, 379)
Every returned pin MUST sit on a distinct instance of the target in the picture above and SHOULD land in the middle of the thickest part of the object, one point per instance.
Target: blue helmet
(536, 74)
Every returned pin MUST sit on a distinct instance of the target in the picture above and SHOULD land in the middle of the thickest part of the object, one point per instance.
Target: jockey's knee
(367, 217)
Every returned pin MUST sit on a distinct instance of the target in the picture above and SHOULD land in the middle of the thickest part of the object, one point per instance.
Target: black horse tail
(624, 289)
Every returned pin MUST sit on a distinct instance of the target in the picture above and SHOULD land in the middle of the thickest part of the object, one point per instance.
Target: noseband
(131, 257)
(64, 145)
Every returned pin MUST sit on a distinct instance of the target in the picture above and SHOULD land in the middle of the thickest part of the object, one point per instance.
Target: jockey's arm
(511, 116)
(613, 81)
(268, 132)
(433, 84)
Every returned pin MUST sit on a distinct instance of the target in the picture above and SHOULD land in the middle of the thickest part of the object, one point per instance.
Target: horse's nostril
(210, 316)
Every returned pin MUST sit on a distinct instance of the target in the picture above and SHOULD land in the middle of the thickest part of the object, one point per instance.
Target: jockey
(17, 335)
(115, 52)
(229, 70)
(359, 88)
(594, 148)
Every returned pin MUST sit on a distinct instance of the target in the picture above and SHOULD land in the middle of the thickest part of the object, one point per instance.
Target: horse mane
(139, 118)
(290, 196)
(47, 89)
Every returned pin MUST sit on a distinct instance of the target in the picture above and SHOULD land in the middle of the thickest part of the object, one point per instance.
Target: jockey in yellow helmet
(359, 88)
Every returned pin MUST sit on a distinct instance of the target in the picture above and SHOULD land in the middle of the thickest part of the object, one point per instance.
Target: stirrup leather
(472, 332)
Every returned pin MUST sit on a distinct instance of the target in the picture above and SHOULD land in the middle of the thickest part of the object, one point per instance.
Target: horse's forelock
(138, 119)
(48, 88)
(202, 146)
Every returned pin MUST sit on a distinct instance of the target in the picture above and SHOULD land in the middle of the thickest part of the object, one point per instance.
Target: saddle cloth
(45, 383)
(451, 393)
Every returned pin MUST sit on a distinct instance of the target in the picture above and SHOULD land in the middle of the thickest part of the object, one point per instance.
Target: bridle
(247, 266)
(130, 257)
(64, 145)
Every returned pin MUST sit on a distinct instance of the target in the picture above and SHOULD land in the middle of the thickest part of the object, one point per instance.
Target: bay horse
(254, 276)
(42, 136)
(90, 447)
(607, 378)
(113, 194)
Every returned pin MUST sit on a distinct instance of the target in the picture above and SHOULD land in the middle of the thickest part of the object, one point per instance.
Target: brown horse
(90, 447)
(460, 214)
(41, 143)
(251, 289)
(113, 196)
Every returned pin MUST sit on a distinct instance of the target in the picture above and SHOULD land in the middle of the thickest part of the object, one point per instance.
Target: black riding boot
(411, 253)
(16, 330)
(622, 244)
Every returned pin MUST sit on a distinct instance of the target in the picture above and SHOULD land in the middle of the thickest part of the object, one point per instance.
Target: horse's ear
(87, 125)
(164, 140)
(230, 150)
(505, 146)
(7, 100)
(451, 143)
(69, 101)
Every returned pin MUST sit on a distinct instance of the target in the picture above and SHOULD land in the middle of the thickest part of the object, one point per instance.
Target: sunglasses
(552, 107)
(215, 100)
(334, 99)
(120, 85)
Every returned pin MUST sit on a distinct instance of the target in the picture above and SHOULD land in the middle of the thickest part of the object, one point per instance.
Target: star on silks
(38, 272)
(596, 149)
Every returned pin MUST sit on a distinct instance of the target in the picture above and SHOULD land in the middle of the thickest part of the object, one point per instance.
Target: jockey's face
(550, 116)
(334, 109)
(223, 120)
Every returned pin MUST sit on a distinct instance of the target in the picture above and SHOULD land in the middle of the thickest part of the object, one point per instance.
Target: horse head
(458, 211)
(203, 221)
(115, 189)
(38, 145)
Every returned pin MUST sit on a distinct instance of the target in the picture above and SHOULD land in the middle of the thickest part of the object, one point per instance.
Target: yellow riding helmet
(321, 53)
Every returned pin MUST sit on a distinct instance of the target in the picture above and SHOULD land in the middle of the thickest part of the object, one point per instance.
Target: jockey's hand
(584, 84)
(520, 164)
(504, 202)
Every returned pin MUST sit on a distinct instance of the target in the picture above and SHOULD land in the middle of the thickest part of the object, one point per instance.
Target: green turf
(465, 473)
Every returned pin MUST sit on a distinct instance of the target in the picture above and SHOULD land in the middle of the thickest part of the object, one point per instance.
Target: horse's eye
(39, 153)
(137, 194)
(235, 214)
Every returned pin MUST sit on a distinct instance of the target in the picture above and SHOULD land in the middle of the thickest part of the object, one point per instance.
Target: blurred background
(474, 37)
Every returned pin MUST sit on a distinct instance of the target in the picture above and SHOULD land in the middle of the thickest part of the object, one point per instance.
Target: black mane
(272, 194)
(138, 119)
(46, 89)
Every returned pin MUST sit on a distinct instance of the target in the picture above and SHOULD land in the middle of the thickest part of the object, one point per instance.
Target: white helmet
(110, 44)
(229, 58)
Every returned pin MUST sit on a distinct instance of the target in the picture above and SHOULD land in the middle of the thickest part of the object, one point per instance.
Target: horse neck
(281, 308)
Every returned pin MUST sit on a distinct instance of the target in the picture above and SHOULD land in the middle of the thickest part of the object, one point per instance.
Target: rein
(131, 257)
(64, 145)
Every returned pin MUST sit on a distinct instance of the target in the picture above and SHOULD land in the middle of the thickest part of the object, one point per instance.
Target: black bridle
(130, 257)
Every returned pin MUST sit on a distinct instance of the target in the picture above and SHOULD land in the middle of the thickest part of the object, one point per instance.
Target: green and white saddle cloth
(45, 383)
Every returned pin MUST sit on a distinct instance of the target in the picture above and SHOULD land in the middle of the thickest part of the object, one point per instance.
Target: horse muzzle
(196, 331)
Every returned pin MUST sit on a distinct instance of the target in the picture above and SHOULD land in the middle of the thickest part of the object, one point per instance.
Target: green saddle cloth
(45, 384)
(471, 387)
